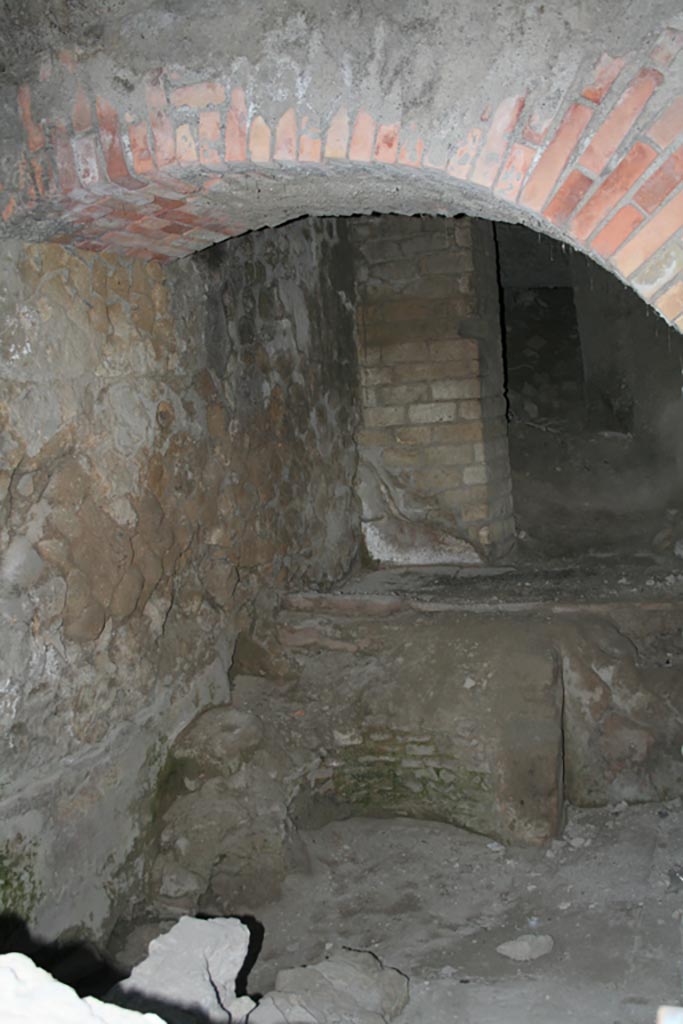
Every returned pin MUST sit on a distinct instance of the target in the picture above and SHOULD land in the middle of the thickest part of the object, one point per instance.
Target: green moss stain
(20, 890)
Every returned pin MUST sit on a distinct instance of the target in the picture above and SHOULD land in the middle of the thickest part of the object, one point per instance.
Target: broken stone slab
(526, 947)
(190, 974)
(29, 995)
(350, 985)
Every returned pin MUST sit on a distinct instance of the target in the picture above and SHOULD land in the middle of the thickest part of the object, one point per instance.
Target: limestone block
(215, 741)
(83, 614)
(126, 593)
(623, 719)
(190, 973)
(349, 985)
(224, 835)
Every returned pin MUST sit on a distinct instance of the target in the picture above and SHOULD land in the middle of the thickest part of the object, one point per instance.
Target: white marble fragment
(29, 995)
(192, 969)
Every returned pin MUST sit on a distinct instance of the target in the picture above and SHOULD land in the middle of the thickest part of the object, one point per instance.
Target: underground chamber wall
(593, 387)
(191, 500)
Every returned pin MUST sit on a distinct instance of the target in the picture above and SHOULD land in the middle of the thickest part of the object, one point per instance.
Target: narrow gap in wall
(503, 324)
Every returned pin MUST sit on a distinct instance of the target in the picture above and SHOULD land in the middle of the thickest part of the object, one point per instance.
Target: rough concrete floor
(436, 901)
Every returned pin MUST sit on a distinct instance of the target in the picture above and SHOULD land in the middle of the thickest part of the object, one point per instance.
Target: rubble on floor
(190, 973)
(348, 985)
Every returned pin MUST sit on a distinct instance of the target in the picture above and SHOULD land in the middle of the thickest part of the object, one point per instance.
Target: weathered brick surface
(93, 168)
(424, 378)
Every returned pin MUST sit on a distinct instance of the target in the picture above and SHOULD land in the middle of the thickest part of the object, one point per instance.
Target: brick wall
(434, 474)
(162, 167)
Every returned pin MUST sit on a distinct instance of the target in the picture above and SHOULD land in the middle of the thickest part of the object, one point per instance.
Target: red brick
(619, 122)
(539, 121)
(665, 179)
(386, 148)
(667, 47)
(35, 136)
(259, 141)
(64, 158)
(110, 139)
(149, 226)
(143, 162)
(204, 94)
(514, 171)
(236, 128)
(173, 185)
(568, 196)
(554, 159)
(81, 111)
(286, 136)
(163, 132)
(186, 216)
(612, 190)
(362, 137)
(310, 143)
(185, 146)
(671, 302)
(660, 227)
(460, 163)
(127, 213)
(668, 125)
(604, 77)
(503, 123)
(337, 140)
(168, 204)
(617, 230)
(210, 138)
(86, 159)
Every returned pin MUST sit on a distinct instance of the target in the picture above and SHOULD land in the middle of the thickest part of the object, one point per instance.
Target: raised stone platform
(483, 700)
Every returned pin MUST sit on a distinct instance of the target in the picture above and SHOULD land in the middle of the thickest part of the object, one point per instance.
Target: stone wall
(172, 439)
(434, 474)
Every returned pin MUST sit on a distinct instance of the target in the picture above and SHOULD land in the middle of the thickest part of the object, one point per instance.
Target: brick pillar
(434, 477)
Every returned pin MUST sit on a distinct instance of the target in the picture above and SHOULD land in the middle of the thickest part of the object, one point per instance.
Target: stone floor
(435, 902)
(642, 579)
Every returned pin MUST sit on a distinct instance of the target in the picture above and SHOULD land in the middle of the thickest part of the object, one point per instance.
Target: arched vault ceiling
(158, 129)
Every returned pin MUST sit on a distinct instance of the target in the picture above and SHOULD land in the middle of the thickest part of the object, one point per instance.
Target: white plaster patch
(605, 673)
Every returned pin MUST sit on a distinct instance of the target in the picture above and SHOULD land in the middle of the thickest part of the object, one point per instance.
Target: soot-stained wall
(176, 444)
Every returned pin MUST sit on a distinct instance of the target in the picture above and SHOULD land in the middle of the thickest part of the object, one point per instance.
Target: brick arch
(601, 170)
